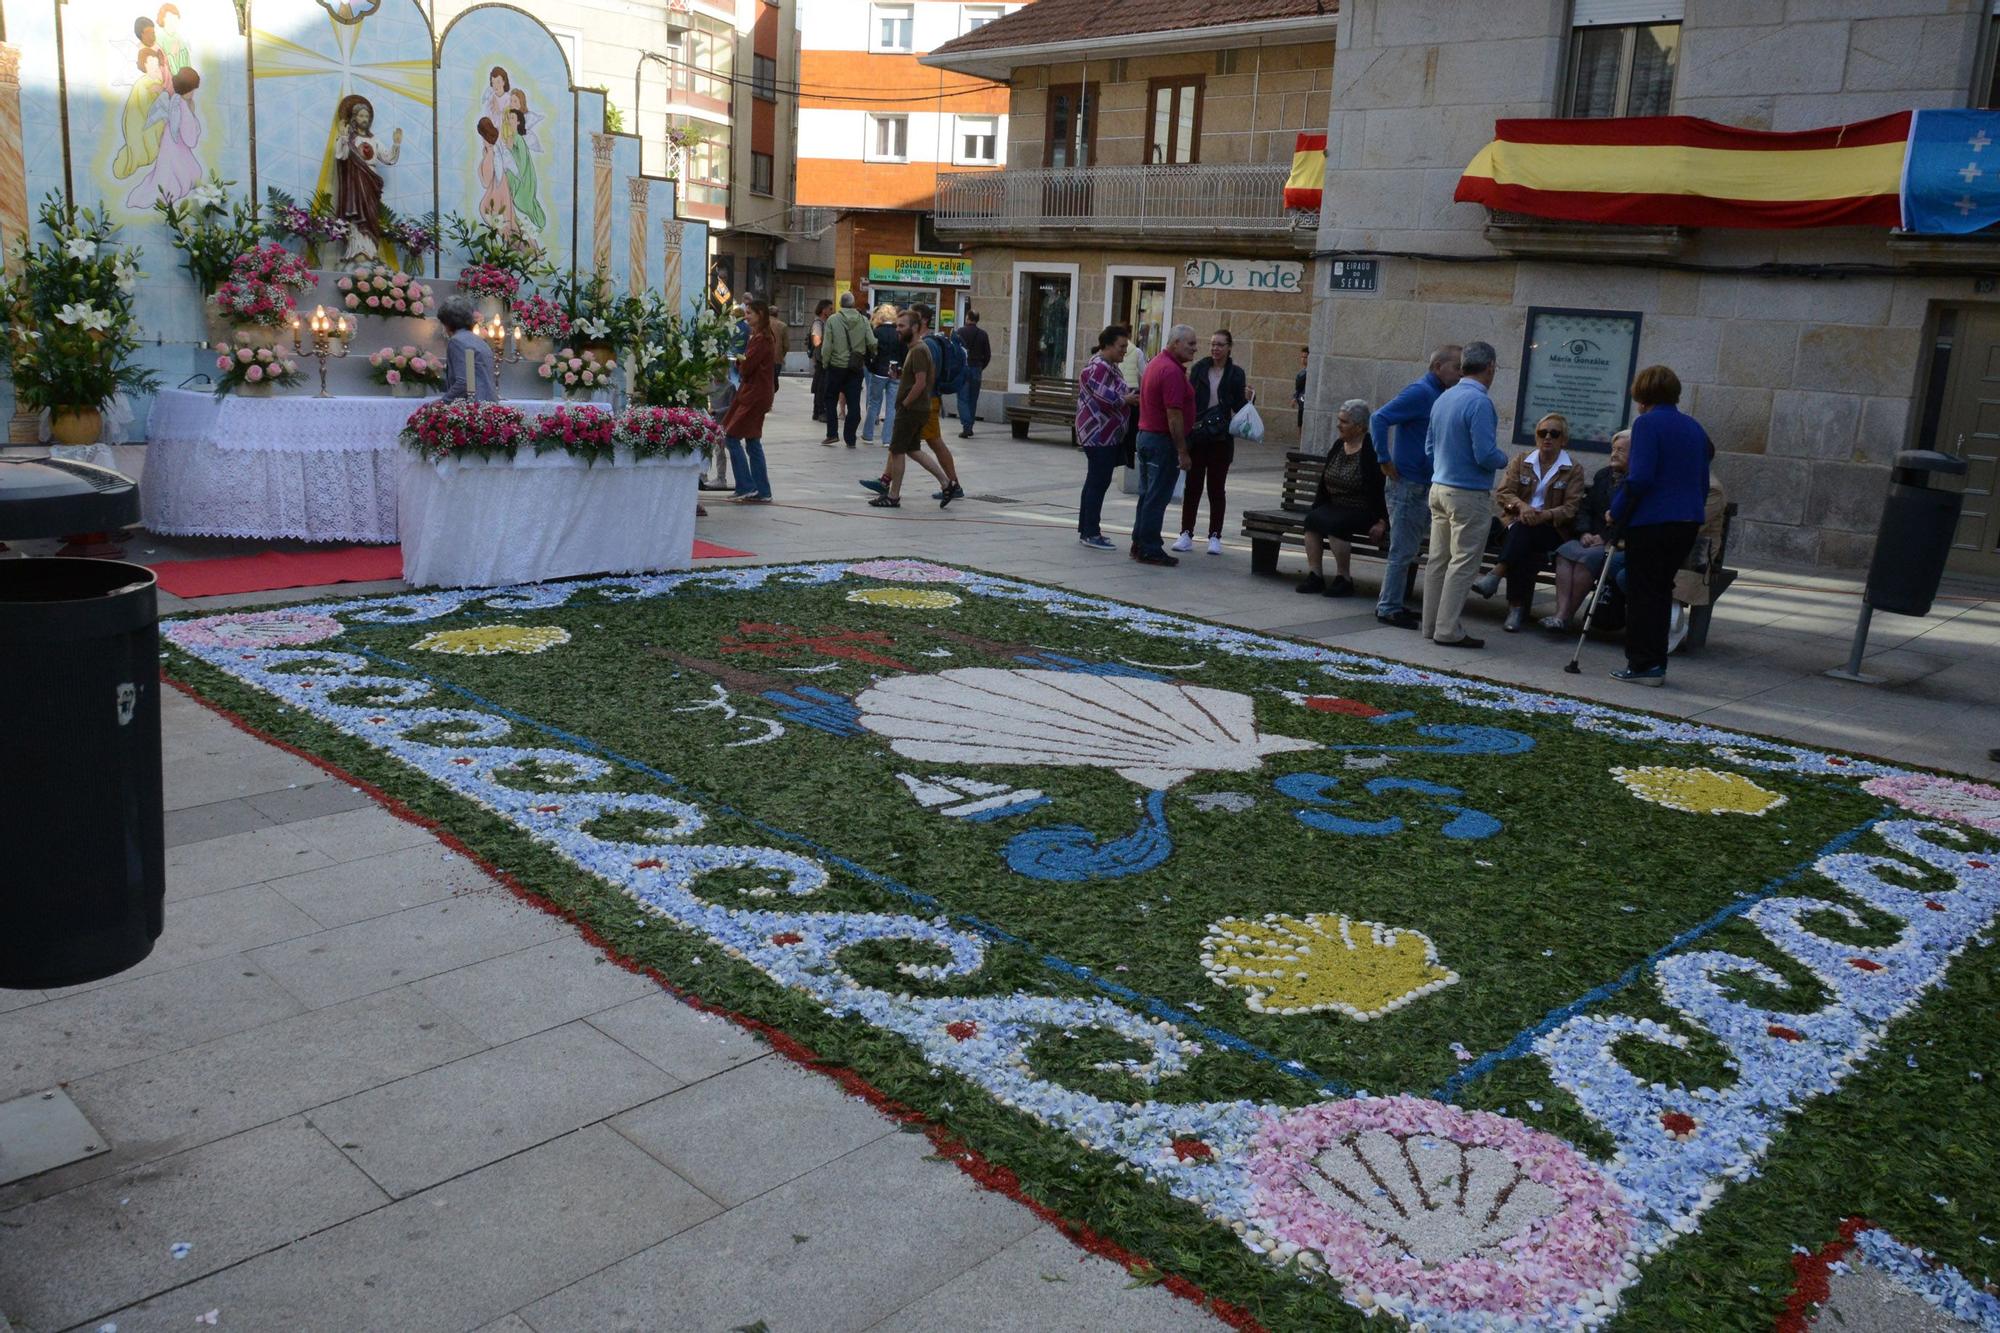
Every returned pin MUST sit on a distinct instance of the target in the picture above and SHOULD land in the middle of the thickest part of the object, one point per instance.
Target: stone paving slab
(202, 822)
(839, 1248)
(1043, 1284)
(383, 951)
(455, 1256)
(354, 834)
(92, 1250)
(796, 1121)
(544, 986)
(413, 1133)
(307, 800)
(82, 1034)
(236, 859)
(685, 1042)
(174, 1102)
(355, 890)
(213, 925)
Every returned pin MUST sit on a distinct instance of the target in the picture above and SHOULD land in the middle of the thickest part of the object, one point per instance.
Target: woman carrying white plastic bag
(1221, 392)
(1247, 424)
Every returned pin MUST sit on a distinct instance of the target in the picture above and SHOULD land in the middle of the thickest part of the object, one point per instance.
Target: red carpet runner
(312, 569)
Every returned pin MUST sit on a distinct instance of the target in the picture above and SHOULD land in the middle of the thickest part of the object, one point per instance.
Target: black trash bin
(1918, 520)
(82, 859)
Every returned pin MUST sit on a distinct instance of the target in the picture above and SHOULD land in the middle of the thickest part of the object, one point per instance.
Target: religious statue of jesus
(357, 181)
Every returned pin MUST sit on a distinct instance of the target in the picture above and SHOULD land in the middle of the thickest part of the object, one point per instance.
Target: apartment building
(876, 127)
(1149, 147)
(1811, 353)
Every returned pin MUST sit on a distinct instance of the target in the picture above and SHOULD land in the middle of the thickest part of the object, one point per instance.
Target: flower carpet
(1318, 986)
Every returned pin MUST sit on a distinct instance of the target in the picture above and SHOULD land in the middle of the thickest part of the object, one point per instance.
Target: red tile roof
(1069, 22)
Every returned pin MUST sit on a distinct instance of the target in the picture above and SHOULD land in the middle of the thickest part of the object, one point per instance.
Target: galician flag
(1951, 174)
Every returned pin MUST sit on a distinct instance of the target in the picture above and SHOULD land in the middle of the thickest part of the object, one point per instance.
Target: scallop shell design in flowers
(1290, 965)
(1153, 732)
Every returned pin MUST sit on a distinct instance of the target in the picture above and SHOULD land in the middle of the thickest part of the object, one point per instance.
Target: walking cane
(1571, 666)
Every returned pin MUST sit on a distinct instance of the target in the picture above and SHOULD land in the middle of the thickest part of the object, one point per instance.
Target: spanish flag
(1677, 171)
(1308, 178)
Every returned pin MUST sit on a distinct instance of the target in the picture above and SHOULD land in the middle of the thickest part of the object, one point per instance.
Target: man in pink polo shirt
(1166, 410)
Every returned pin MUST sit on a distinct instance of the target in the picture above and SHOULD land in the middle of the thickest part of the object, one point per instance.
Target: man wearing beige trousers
(1465, 452)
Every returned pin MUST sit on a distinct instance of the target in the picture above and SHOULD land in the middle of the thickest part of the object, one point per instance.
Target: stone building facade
(1144, 187)
(1808, 383)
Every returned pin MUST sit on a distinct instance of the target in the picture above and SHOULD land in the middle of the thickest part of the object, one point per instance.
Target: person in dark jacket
(1348, 503)
(978, 355)
(743, 424)
(1220, 391)
(1659, 510)
(1581, 559)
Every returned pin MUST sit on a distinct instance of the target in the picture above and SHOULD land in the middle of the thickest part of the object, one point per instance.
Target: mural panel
(507, 128)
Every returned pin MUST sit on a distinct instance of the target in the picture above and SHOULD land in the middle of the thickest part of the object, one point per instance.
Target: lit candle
(346, 327)
(298, 342)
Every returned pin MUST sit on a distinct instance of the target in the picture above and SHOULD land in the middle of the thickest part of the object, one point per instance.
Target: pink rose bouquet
(577, 372)
(464, 427)
(661, 432)
(237, 365)
(487, 280)
(584, 431)
(539, 317)
(406, 365)
(376, 289)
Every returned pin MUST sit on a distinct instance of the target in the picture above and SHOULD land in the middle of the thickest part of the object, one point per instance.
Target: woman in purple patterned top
(1103, 400)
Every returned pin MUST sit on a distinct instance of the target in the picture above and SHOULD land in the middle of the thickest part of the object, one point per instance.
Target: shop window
(1620, 68)
(1042, 335)
(1173, 125)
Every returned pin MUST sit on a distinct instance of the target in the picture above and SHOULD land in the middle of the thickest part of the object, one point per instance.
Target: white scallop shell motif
(1153, 732)
(1438, 1199)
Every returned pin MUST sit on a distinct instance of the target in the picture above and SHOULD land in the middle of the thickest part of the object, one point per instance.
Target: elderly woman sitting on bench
(1349, 503)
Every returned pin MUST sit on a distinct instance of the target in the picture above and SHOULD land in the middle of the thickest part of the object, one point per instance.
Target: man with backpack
(844, 353)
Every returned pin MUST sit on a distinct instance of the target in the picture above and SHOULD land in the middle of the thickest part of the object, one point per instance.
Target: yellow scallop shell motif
(906, 599)
(1698, 791)
(1304, 965)
(485, 640)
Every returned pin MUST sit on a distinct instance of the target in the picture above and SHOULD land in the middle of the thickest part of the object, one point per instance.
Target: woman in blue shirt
(1660, 510)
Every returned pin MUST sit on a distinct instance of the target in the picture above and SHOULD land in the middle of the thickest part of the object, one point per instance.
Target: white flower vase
(261, 389)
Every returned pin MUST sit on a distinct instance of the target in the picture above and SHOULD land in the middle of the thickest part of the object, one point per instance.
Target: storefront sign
(1579, 363)
(920, 270)
(1246, 275)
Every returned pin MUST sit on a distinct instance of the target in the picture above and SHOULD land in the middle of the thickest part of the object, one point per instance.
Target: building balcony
(1241, 202)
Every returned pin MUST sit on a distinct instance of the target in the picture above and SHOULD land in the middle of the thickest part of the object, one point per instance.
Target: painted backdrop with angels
(127, 101)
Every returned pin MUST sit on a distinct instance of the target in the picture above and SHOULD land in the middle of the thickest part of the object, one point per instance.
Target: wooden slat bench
(1698, 586)
(1051, 402)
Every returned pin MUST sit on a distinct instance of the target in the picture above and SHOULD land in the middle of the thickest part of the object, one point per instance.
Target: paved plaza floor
(359, 1085)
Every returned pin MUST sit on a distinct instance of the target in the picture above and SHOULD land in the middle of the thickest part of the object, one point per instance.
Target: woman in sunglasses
(1537, 501)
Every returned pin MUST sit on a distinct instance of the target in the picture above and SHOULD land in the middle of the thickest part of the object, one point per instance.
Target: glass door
(1043, 338)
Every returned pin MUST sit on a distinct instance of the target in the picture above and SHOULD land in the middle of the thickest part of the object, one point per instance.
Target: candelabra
(327, 331)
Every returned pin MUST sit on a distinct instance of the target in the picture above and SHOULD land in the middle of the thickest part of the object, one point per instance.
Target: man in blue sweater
(1464, 451)
(1398, 431)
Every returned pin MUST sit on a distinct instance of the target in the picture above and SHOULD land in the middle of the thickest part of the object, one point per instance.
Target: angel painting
(358, 162)
(175, 169)
(140, 129)
(496, 200)
(518, 133)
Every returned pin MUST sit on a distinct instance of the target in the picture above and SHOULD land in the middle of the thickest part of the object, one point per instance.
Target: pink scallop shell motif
(1973, 803)
(255, 629)
(1436, 1209)
(906, 571)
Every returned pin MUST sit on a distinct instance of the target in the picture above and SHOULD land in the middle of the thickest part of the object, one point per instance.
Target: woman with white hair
(1348, 503)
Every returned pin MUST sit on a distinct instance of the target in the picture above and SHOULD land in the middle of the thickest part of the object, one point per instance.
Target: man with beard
(916, 415)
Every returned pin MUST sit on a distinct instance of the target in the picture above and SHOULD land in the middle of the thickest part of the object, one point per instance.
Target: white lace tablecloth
(321, 469)
(469, 523)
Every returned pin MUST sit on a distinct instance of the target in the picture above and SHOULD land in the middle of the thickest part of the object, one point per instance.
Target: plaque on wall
(1579, 363)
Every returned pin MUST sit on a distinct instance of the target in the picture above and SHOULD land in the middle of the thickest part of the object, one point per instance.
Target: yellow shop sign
(920, 270)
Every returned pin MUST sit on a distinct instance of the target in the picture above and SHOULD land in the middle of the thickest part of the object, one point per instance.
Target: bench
(1051, 402)
(1698, 585)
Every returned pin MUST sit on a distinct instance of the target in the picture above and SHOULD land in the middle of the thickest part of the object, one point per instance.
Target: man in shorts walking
(917, 417)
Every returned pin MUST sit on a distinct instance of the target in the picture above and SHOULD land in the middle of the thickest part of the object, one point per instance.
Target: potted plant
(258, 296)
(253, 370)
(285, 219)
(585, 432)
(577, 373)
(676, 361)
(410, 372)
(210, 230)
(66, 321)
(378, 290)
(464, 428)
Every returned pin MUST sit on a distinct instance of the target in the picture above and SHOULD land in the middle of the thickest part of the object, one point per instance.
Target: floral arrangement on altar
(210, 230)
(260, 285)
(595, 313)
(464, 427)
(314, 224)
(414, 237)
(406, 366)
(539, 317)
(677, 361)
(584, 432)
(376, 289)
(66, 317)
(577, 371)
(661, 432)
(485, 246)
(487, 280)
(240, 365)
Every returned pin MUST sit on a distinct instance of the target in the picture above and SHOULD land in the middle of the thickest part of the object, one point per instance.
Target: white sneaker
(1677, 631)
(1215, 546)
(1186, 542)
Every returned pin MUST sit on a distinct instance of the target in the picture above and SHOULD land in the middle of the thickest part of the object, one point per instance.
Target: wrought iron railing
(1228, 197)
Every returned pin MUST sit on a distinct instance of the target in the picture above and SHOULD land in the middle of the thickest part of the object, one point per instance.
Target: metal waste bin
(1918, 520)
(82, 846)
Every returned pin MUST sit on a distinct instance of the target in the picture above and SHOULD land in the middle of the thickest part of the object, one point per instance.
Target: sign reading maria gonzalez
(1579, 363)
